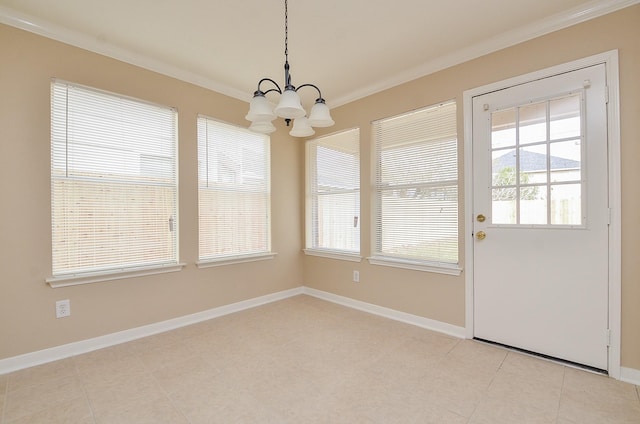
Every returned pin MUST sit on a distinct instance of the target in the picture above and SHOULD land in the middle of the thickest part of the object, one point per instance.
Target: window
(416, 190)
(113, 182)
(536, 152)
(333, 193)
(233, 192)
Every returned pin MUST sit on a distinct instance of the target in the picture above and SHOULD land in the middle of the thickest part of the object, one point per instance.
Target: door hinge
(606, 94)
(608, 337)
(608, 216)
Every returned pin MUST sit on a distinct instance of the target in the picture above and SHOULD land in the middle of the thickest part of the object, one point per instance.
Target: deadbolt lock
(481, 218)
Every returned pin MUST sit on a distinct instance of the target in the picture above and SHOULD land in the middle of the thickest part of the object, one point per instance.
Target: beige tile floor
(304, 360)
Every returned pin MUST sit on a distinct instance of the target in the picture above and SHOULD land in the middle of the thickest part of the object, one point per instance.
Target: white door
(540, 267)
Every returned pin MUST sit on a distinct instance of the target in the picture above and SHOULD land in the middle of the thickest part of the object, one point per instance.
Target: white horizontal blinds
(233, 190)
(417, 185)
(114, 182)
(334, 189)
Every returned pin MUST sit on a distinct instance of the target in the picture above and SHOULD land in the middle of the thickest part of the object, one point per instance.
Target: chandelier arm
(314, 86)
(272, 89)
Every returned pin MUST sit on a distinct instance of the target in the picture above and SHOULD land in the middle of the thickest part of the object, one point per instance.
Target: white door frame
(610, 60)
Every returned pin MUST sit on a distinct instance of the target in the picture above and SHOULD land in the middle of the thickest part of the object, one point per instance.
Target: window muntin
(333, 192)
(113, 182)
(233, 191)
(416, 187)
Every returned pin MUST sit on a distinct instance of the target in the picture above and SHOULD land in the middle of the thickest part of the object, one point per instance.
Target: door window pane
(565, 117)
(533, 123)
(566, 204)
(503, 128)
(533, 164)
(503, 166)
(565, 161)
(504, 205)
(533, 205)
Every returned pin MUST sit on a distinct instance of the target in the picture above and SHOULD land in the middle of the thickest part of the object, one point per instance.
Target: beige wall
(441, 297)
(27, 62)
(27, 320)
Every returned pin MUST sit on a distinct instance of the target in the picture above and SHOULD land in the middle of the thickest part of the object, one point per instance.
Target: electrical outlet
(356, 276)
(63, 308)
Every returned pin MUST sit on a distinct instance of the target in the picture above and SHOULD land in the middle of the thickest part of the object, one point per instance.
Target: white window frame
(77, 116)
(435, 132)
(343, 142)
(208, 131)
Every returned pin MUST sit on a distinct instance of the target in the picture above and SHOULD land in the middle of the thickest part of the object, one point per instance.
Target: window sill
(437, 267)
(230, 260)
(89, 278)
(332, 254)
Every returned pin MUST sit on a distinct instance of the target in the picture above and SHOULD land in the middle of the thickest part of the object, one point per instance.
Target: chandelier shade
(263, 127)
(320, 115)
(261, 111)
(301, 128)
(289, 106)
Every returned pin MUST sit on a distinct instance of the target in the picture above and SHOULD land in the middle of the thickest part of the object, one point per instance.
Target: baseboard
(65, 351)
(430, 324)
(31, 359)
(630, 375)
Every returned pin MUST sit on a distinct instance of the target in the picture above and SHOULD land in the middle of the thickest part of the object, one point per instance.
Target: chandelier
(261, 111)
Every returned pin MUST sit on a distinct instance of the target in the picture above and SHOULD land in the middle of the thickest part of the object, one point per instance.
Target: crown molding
(46, 29)
(585, 12)
(571, 17)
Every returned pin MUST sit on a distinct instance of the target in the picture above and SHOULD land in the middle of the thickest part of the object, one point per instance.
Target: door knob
(481, 235)
(481, 218)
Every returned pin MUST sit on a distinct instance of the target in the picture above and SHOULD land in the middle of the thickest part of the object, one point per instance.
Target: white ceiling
(349, 48)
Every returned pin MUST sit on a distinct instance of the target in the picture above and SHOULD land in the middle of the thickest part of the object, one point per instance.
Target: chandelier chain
(286, 32)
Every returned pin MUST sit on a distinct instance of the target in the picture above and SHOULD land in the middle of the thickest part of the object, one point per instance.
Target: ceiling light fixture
(261, 111)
